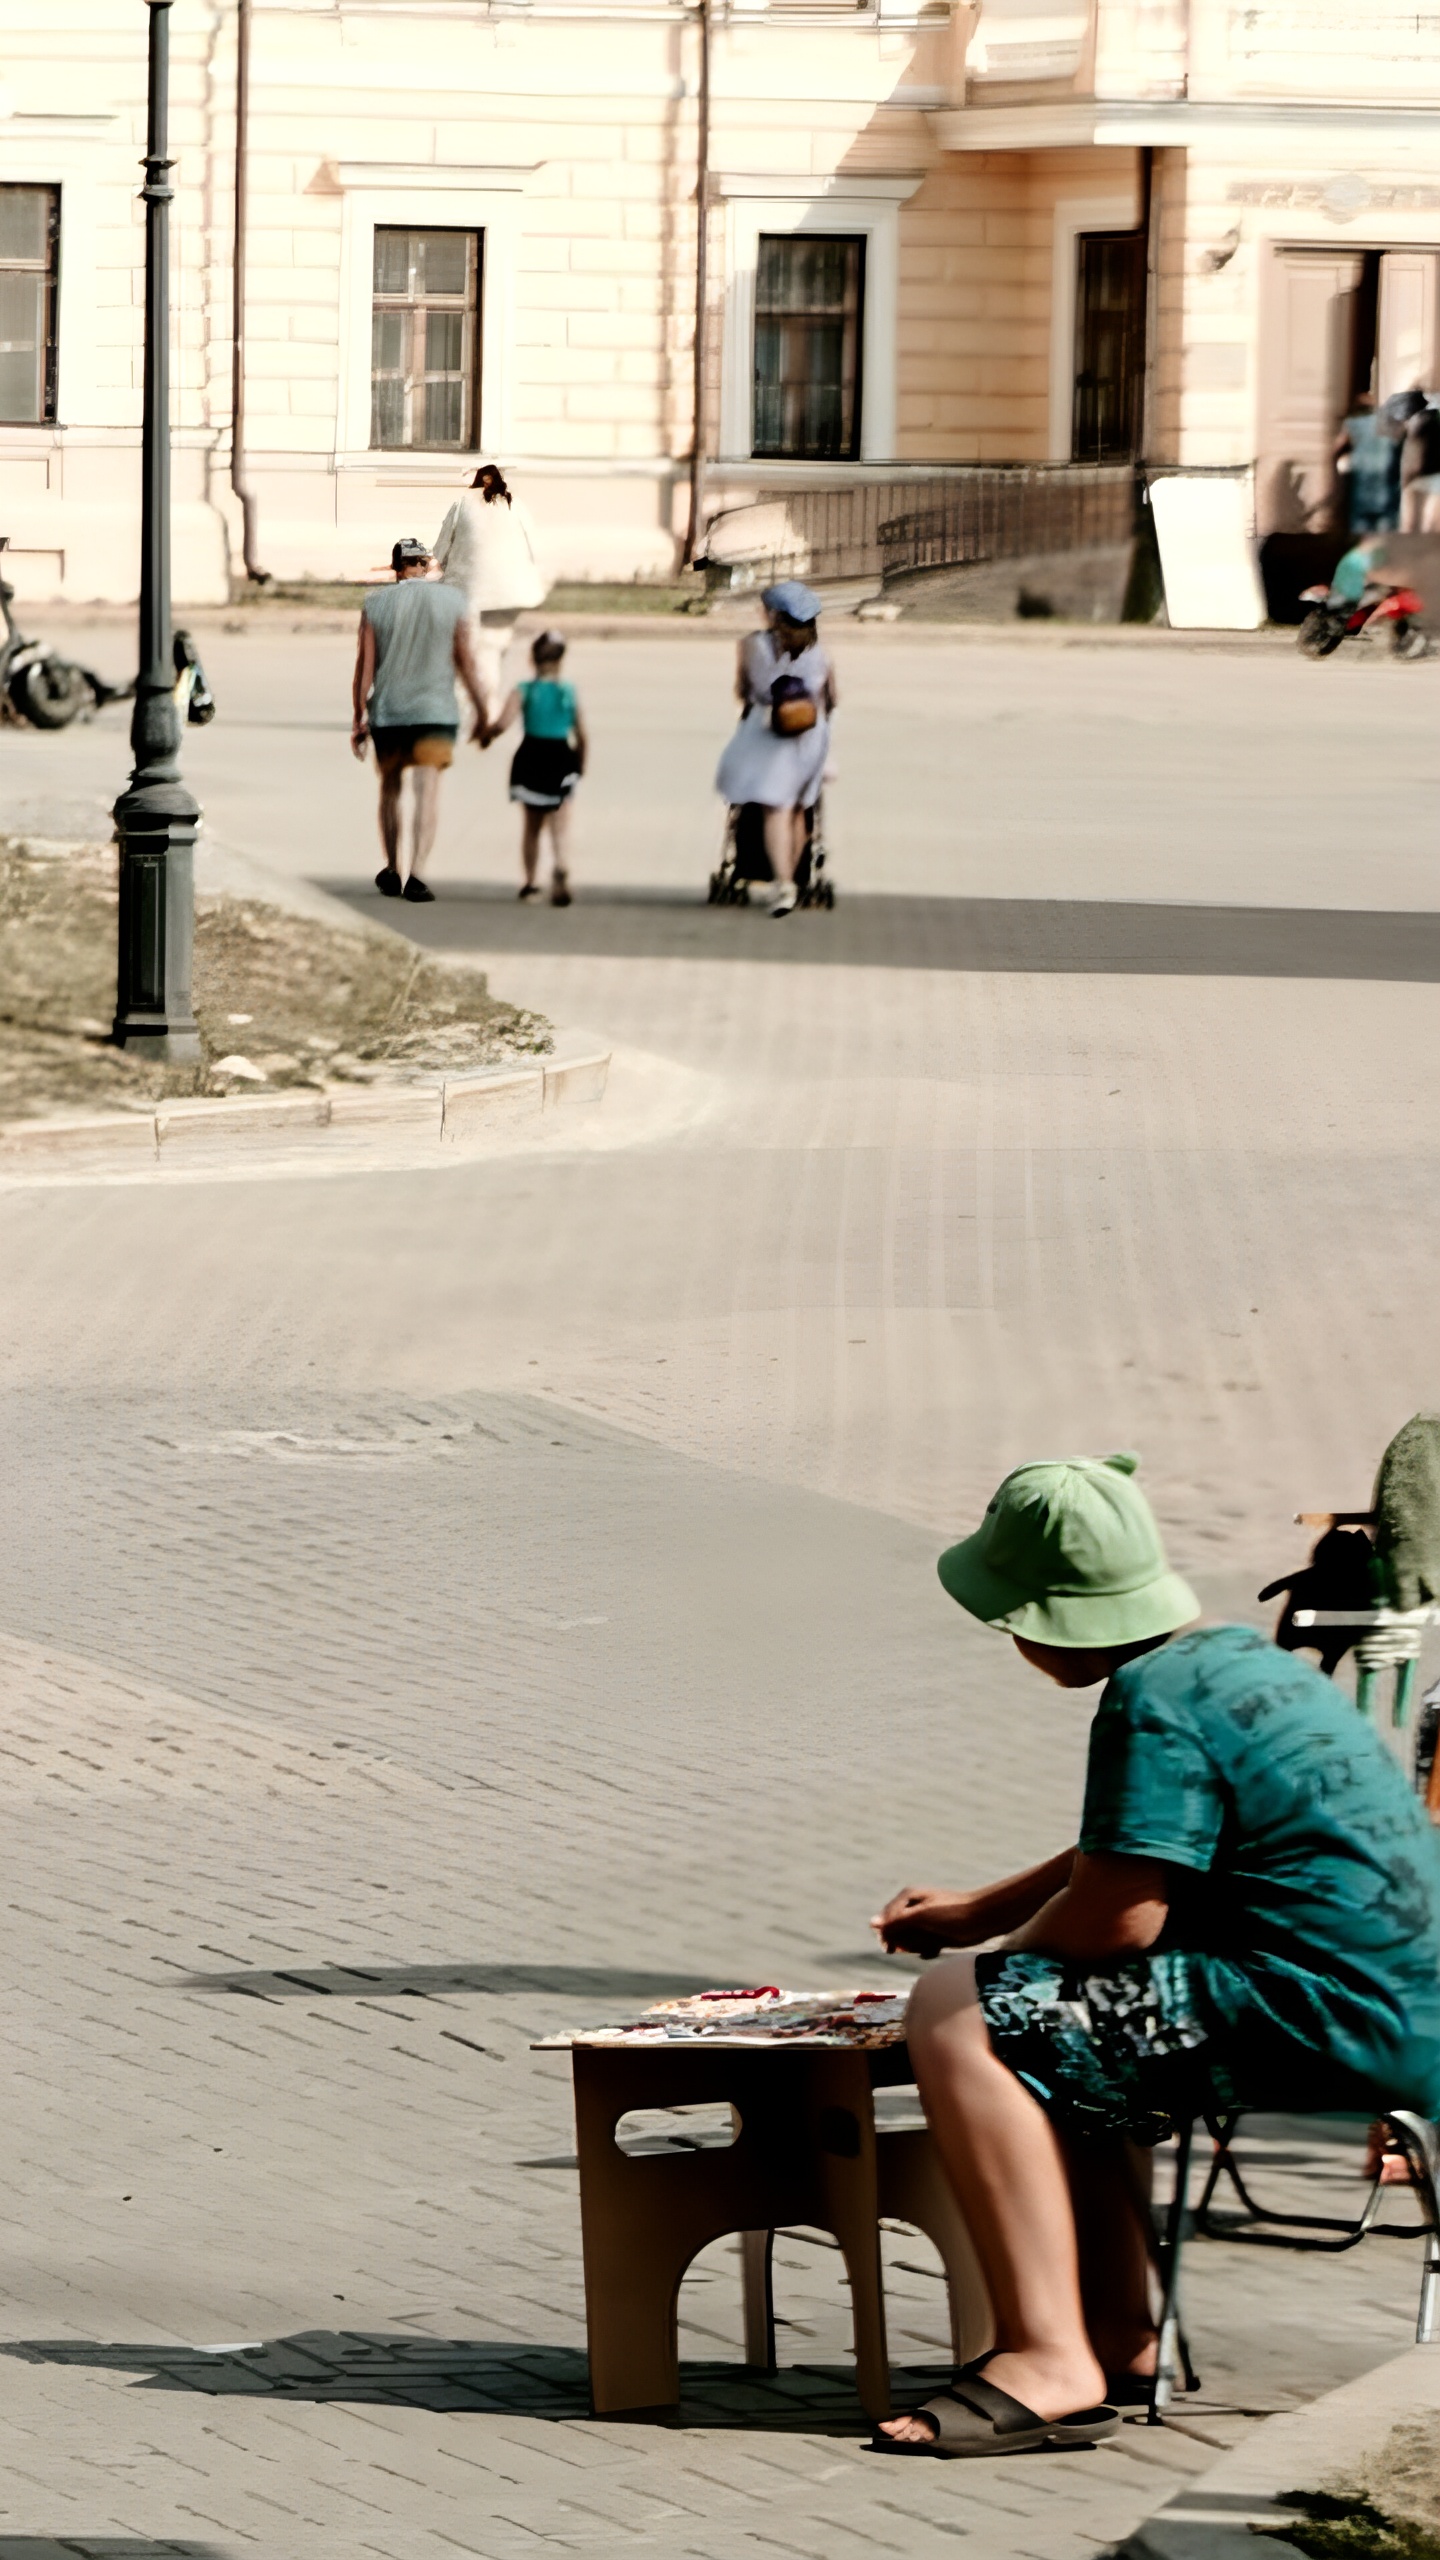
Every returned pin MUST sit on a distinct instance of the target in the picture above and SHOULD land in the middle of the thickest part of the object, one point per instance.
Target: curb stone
(1218, 2515)
(453, 1108)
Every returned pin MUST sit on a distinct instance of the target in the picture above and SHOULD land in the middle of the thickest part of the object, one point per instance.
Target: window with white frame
(809, 334)
(425, 339)
(29, 270)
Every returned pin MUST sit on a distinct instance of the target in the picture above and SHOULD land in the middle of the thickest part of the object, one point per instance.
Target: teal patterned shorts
(1118, 2052)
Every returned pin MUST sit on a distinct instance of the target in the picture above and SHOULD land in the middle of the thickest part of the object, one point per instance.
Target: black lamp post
(156, 817)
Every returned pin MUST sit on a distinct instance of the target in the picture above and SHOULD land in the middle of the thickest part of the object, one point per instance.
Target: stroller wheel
(714, 889)
(829, 893)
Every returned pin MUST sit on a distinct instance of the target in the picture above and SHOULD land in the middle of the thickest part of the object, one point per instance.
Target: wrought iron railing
(880, 528)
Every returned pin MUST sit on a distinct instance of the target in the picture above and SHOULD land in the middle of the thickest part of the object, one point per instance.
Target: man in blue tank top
(414, 641)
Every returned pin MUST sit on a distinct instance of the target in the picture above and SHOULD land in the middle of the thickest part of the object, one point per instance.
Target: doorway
(1336, 325)
(1109, 346)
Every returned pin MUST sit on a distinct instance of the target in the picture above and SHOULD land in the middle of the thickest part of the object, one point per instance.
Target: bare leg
(1109, 2183)
(1004, 2161)
(390, 784)
(559, 845)
(531, 822)
(424, 816)
(780, 843)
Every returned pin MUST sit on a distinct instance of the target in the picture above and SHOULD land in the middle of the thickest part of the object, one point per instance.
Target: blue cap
(797, 603)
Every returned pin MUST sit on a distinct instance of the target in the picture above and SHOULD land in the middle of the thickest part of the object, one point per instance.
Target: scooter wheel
(1409, 640)
(1318, 635)
(51, 691)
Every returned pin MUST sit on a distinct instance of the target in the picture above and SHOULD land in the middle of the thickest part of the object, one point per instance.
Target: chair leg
(757, 2277)
(1167, 2359)
(1421, 2142)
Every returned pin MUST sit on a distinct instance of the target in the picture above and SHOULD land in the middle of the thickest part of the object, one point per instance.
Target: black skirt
(544, 772)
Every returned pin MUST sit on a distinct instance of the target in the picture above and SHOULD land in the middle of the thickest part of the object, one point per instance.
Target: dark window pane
(444, 341)
(809, 299)
(444, 412)
(22, 347)
(387, 341)
(444, 262)
(392, 262)
(387, 412)
(25, 224)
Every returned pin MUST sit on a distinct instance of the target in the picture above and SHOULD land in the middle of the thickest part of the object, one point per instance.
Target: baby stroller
(743, 858)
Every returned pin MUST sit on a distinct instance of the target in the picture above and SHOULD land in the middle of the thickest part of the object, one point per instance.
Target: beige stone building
(1018, 230)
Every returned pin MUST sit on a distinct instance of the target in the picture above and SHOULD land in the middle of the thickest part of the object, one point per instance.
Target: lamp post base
(155, 828)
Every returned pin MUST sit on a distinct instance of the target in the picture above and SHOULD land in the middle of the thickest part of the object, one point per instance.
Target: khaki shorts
(397, 748)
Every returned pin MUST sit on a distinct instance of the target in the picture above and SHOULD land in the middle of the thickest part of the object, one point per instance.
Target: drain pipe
(239, 480)
(1150, 309)
(702, 226)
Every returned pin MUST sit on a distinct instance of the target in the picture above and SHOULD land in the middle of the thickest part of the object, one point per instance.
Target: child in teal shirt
(547, 763)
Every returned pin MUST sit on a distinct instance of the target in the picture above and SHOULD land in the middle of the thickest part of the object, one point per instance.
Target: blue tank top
(549, 708)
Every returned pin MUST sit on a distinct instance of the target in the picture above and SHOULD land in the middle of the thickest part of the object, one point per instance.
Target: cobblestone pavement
(440, 1606)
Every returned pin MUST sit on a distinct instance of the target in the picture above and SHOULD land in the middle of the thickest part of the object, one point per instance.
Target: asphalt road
(1136, 771)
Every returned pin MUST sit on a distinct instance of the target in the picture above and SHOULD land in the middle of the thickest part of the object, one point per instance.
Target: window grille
(29, 271)
(809, 304)
(425, 341)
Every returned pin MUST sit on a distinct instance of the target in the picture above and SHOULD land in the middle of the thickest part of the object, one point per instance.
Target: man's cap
(1069, 1553)
(797, 603)
(412, 553)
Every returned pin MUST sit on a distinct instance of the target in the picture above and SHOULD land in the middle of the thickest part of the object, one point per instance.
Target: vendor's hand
(921, 1919)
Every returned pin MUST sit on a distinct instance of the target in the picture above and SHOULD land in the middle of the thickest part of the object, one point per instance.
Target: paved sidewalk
(436, 1607)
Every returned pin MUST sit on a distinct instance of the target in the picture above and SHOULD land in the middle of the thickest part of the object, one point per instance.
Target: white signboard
(1208, 555)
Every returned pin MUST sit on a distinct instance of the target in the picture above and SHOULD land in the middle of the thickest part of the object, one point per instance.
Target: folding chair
(1413, 2135)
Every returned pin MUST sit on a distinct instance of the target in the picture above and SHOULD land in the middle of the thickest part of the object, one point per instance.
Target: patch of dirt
(1392, 2512)
(282, 1000)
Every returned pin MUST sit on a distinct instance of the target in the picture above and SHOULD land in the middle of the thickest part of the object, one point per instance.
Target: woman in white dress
(786, 689)
(486, 547)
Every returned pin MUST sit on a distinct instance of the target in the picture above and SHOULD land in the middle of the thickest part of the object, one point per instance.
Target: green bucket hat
(1068, 1553)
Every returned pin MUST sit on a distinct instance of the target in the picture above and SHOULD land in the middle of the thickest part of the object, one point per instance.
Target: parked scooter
(1331, 618)
(37, 684)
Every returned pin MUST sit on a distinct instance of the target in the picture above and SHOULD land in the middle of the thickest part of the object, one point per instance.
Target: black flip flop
(975, 2418)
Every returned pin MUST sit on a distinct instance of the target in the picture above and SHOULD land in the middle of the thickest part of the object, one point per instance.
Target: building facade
(1190, 230)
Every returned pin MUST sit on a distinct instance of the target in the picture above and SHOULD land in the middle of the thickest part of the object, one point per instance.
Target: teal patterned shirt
(1306, 1874)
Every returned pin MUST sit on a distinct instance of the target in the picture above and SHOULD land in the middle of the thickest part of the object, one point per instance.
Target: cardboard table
(799, 2074)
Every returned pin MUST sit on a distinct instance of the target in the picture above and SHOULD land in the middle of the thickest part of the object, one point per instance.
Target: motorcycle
(37, 684)
(1331, 618)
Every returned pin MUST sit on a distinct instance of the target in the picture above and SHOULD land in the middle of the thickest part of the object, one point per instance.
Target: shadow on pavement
(102, 2546)
(358, 1982)
(1050, 936)
(489, 2377)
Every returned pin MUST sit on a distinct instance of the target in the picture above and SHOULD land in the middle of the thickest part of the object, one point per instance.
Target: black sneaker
(416, 889)
(388, 883)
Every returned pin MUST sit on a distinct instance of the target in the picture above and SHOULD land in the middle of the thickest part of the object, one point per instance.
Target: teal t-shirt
(1352, 572)
(1307, 1884)
(549, 707)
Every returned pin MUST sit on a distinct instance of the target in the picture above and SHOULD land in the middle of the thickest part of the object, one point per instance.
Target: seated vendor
(1251, 1918)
